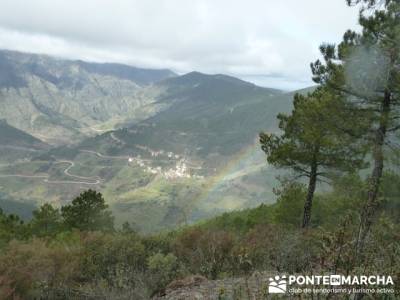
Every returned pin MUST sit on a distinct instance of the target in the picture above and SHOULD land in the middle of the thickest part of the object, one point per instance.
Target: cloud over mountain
(268, 42)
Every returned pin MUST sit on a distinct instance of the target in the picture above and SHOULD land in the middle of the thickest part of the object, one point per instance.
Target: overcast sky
(268, 42)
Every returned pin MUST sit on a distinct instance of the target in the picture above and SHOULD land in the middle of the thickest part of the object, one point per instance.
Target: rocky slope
(61, 101)
(254, 287)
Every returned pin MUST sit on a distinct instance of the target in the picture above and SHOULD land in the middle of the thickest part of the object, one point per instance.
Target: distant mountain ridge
(138, 75)
(195, 77)
(14, 62)
(199, 155)
(163, 152)
(63, 100)
(206, 111)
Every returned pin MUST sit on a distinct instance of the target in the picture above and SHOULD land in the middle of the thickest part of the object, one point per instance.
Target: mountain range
(61, 101)
(164, 149)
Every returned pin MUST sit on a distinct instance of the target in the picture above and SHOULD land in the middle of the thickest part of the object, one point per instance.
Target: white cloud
(248, 39)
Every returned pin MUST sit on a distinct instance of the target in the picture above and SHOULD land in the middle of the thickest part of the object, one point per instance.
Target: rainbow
(236, 167)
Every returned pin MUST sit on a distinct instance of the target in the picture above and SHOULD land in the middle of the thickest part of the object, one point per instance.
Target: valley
(168, 150)
(200, 150)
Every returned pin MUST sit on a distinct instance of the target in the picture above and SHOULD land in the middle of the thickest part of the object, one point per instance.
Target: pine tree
(365, 68)
(310, 144)
(88, 211)
(46, 221)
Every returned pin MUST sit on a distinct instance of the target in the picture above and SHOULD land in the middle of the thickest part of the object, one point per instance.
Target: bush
(289, 205)
(204, 251)
(163, 269)
(29, 267)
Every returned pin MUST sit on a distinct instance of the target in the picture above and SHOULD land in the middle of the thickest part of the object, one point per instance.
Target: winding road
(112, 135)
(81, 179)
(105, 156)
(96, 180)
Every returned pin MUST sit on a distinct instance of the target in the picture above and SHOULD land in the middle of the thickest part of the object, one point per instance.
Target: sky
(267, 42)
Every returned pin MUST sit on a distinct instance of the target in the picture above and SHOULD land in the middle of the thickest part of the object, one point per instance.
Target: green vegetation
(46, 221)
(211, 121)
(310, 144)
(11, 136)
(87, 212)
(49, 258)
(364, 68)
(351, 119)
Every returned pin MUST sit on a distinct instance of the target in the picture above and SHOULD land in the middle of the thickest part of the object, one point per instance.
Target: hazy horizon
(263, 42)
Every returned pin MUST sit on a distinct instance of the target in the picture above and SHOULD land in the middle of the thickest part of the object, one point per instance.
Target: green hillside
(16, 144)
(211, 126)
(197, 157)
(124, 183)
(207, 115)
(10, 136)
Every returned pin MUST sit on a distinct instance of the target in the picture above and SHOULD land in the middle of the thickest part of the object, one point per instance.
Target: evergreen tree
(310, 144)
(12, 227)
(88, 212)
(46, 221)
(365, 68)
